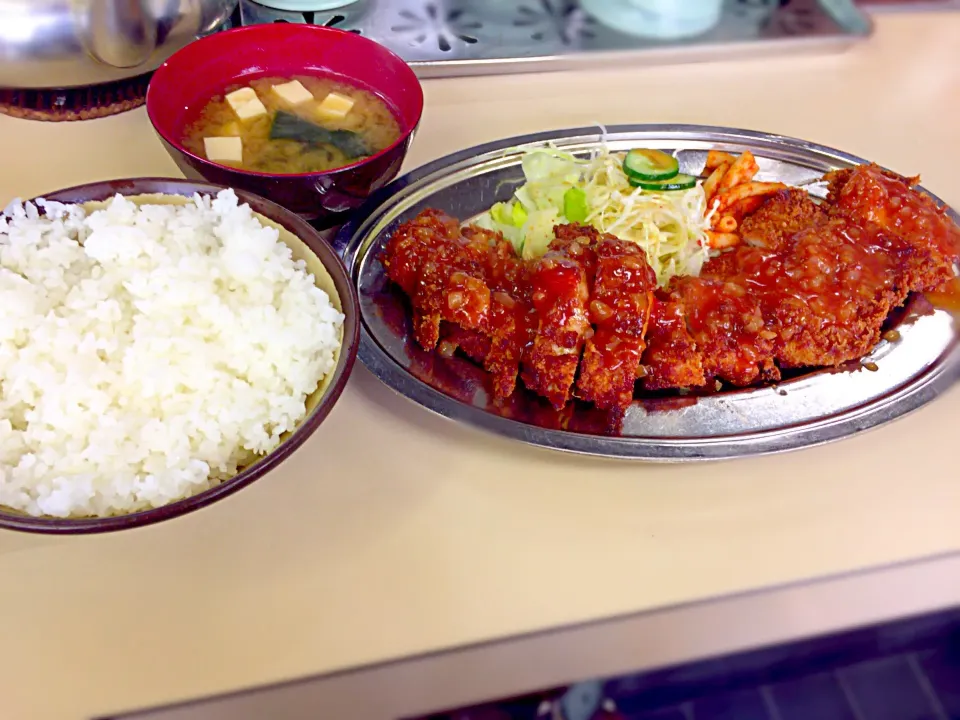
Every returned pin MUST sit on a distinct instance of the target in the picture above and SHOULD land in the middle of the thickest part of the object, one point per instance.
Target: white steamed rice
(147, 352)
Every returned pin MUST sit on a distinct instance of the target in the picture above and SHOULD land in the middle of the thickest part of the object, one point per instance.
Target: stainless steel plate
(806, 410)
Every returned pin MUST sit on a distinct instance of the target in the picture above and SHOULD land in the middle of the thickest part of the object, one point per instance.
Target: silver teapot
(71, 43)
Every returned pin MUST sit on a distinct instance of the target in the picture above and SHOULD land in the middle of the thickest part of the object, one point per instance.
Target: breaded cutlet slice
(831, 293)
(442, 272)
(560, 284)
(671, 358)
(781, 215)
(727, 324)
(619, 308)
(867, 194)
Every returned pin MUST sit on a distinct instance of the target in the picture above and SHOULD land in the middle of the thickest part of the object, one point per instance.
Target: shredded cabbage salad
(670, 226)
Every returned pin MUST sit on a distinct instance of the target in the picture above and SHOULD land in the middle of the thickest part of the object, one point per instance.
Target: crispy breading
(443, 273)
(726, 322)
(560, 295)
(779, 217)
(930, 240)
(838, 294)
(623, 285)
(512, 322)
(672, 359)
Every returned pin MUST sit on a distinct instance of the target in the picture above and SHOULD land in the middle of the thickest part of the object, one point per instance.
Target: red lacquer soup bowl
(191, 77)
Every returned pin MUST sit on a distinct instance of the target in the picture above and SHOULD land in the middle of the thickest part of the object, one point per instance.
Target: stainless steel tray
(464, 37)
(810, 409)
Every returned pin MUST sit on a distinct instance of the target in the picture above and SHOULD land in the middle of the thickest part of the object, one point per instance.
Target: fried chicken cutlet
(826, 280)
(822, 297)
(811, 286)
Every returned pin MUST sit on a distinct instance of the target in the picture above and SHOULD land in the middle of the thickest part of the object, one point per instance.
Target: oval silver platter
(809, 409)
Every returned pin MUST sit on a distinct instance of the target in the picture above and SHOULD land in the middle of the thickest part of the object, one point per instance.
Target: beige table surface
(393, 532)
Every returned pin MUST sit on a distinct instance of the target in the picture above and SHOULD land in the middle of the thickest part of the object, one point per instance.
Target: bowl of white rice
(163, 343)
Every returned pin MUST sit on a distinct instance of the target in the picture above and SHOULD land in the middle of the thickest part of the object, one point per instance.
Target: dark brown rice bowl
(330, 275)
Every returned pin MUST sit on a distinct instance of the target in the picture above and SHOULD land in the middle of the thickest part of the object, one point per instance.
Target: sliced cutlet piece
(671, 359)
(451, 288)
(560, 294)
(619, 308)
(831, 294)
(824, 294)
(512, 322)
(727, 324)
(714, 326)
(779, 217)
(869, 195)
(413, 247)
(414, 243)
(442, 273)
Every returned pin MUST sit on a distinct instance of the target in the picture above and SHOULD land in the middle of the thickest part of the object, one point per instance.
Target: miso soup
(298, 124)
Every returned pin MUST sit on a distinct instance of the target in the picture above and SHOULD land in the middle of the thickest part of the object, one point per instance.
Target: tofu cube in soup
(240, 97)
(335, 107)
(246, 104)
(223, 149)
(293, 92)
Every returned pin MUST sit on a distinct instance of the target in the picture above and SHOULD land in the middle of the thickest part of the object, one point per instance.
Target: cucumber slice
(679, 181)
(644, 164)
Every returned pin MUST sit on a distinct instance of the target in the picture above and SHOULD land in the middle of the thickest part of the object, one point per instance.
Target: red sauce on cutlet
(902, 208)
(556, 293)
(827, 269)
